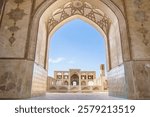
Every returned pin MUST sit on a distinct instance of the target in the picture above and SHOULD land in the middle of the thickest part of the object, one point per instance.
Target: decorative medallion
(13, 28)
(15, 15)
(77, 4)
(12, 39)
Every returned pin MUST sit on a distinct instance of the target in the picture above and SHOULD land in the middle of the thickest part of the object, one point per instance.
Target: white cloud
(71, 62)
(57, 60)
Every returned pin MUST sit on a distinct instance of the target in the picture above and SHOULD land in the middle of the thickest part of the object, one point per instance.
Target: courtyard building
(77, 81)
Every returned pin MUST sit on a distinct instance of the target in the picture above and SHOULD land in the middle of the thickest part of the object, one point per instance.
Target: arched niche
(66, 83)
(74, 80)
(83, 83)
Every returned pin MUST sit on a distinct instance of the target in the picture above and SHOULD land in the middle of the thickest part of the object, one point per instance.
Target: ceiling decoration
(78, 7)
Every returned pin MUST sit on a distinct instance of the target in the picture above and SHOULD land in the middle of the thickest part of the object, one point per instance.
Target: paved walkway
(76, 96)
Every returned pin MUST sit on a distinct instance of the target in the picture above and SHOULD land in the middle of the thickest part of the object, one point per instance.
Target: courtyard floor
(76, 96)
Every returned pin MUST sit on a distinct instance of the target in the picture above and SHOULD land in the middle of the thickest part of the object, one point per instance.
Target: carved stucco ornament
(15, 15)
(77, 4)
(78, 7)
(13, 28)
(144, 32)
(8, 81)
(12, 39)
(142, 17)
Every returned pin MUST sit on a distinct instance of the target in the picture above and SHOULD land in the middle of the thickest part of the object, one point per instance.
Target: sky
(76, 45)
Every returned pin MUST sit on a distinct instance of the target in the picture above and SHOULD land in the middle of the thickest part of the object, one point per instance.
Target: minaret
(102, 75)
(102, 70)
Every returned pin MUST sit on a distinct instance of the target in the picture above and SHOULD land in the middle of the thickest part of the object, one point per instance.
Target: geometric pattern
(78, 7)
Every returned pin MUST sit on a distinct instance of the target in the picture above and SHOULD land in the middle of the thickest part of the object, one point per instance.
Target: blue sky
(76, 45)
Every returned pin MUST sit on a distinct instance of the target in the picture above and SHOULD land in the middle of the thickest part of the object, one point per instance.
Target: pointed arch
(46, 6)
(116, 39)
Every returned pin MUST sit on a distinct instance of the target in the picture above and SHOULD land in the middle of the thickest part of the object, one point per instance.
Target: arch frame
(122, 29)
(34, 25)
